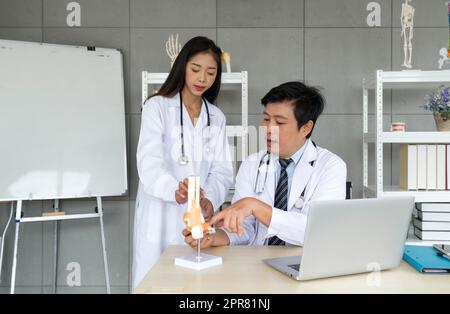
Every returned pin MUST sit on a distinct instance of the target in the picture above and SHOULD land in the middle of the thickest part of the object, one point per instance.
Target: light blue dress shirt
(290, 169)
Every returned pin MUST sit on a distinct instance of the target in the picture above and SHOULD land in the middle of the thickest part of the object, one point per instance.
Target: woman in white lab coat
(182, 134)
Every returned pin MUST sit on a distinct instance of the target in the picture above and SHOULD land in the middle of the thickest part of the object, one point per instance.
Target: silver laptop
(350, 236)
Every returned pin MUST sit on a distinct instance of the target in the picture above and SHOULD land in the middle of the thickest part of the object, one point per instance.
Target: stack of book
(425, 167)
(432, 221)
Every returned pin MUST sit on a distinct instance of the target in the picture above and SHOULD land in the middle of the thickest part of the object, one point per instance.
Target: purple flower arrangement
(439, 102)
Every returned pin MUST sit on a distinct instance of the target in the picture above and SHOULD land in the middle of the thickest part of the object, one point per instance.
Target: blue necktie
(281, 196)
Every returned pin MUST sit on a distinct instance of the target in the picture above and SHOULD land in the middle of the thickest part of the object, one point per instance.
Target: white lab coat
(325, 180)
(158, 218)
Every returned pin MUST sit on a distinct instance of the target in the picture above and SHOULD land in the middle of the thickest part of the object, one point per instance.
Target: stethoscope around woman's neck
(183, 160)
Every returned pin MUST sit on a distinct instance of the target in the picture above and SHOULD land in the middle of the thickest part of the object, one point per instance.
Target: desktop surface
(243, 271)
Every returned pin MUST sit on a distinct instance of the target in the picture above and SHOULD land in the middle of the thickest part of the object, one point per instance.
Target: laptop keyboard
(295, 267)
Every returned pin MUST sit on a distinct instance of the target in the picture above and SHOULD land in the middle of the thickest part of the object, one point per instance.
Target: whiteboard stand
(55, 248)
(58, 171)
(19, 219)
(2, 245)
(16, 240)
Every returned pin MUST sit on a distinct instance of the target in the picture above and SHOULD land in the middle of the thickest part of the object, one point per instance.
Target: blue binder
(425, 259)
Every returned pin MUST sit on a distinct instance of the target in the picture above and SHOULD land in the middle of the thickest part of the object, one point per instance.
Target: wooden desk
(243, 271)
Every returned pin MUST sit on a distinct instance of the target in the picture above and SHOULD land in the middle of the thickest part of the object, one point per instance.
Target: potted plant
(439, 104)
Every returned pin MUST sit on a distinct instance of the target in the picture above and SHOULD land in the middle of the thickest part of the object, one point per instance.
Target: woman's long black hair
(176, 79)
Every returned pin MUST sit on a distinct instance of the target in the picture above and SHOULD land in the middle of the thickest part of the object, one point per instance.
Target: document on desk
(425, 259)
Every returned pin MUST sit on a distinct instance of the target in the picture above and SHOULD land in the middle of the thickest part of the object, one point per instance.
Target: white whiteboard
(62, 122)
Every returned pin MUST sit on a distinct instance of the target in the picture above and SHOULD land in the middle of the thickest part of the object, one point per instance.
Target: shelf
(235, 130)
(408, 79)
(416, 241)
(419, 196)
(229, 80)
(410, 137)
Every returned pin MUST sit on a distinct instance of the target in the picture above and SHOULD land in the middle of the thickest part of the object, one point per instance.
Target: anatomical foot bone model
(193, 217)
(195, 222)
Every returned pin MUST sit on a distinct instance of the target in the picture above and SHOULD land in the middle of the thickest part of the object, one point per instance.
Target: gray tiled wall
(324, 42)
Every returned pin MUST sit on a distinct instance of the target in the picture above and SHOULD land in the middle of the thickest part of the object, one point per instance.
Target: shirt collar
(298, 154)
(174, 101)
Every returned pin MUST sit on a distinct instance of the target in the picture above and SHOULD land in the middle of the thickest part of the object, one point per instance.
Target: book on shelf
(441, 167)
(447, 168)
(431, 225)
(433, 207)
(432, 216)
(408, 167)
(431, 167)
(432, 235)
(421, 167)
(424, 167)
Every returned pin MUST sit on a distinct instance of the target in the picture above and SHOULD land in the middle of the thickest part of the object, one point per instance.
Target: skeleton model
(444, 53)
(172, 48)
(407, 23)
(193, 217)
(444, 59)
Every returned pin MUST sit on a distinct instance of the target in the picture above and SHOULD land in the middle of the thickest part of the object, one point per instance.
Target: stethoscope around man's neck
(259, 186)
(183, 160)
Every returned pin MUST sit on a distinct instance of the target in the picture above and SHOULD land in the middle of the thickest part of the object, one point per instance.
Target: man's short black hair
(308, 102)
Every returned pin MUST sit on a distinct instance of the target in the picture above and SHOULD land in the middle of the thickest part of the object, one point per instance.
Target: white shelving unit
(233, 131)
(240, 78)
(398, 80)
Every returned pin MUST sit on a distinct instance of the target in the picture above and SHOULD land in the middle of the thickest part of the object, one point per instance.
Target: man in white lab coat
(274, 188)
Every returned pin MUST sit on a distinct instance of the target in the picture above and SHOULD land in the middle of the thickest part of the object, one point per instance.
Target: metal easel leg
(105, 259)
(55, 248)
(16, 241)
(3, 239)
